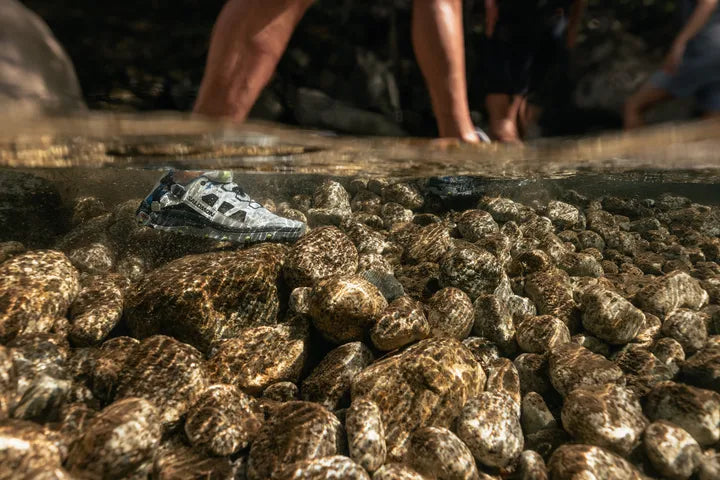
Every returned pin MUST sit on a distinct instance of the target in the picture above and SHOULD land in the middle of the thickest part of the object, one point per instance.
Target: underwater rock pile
(398, 339)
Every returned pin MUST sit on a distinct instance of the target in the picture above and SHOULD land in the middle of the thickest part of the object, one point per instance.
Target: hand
(673, 59)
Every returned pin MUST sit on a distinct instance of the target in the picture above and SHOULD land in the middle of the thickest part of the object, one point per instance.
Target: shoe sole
(237, 237)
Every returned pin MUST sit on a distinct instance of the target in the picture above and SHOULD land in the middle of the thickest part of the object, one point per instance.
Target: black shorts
(519, 65)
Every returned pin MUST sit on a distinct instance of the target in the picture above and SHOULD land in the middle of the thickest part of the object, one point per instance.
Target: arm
(491, 17)
(576, 11)
(695, 23)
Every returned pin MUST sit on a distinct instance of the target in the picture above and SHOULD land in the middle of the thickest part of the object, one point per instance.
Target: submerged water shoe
(212, 206)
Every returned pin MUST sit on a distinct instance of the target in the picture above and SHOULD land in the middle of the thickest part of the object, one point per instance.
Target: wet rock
(132, 267)
(535, 414)
(581, 265)
(589, 239)
(610, 317)
(649, 331)
(36, 287)
(503, 377)
(42, 400)
(366, 240)
(531, 466)
(670, 292)
(388, 285)
(109, 362)
(394, 214)
(331, 204)
(482, 349)
(594, 344)
(133, 420)
(475, 224)
(695, 410)
(166, 372)
(85, 208)
(608, 416)
(336, 466)
(532, 370)
(261, 356)
(671, 450)
(321, 253)
(688, 328)
(587, 461)
(203, 299)
(529, 261)
(490, 426)
(222, 421)
(8, 382)
(396, 471)
(542, 333)
(176, 461)
(572, 366)
(374, 262)
(405, 194)
(329, 383)
(96, 258)
(438, 453)
(97, 309)
(342, 309)
(703, 368)
(366, 201)
(563, 215)
(552, 294)
(419, 281)
(472, 270)
(10, 249)
(505, 210)
(450, 314)
(27, 447)
(494, 322)
(709, 465)
(401, 323)
(282, 392)
(298, 431)
(366, 434)
(426, 384)
(429, 244)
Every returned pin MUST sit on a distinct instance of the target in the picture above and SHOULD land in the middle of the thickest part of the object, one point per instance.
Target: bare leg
(437, 33)
(503, 111)
(641, 101)
(248, 39)
(527, 117)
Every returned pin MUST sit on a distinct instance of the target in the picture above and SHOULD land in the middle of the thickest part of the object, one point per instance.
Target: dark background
(147, 55)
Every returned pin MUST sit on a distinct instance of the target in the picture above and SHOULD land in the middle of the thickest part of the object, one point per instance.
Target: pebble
(670, 292)
(476, 224)
(438, 453)
(97, 310)
(396, 471)
(282, 392)
(688, 328)
(450, 313)
(673, 452)
(321, 253)
(536, 415)
(572, 366)
(494, 322)
(610, 317)
(541, 333)
(401, 323)
(472, 270)
(336, 466)
(366, 434)
(570, 462)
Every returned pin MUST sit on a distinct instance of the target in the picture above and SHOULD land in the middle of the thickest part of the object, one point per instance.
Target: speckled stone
(703, 368)
(531, 466)
(366, 240)
(581, 265)
(335, 467)
(10, 249)
(688, 328)
(132, 267)
(571, 462)
(401, 323)
(529, 261)
(552, 293)
(85, 208)
(366, 201)
(35, 288)
(282, 392)
(564, 215)
(118, 441)
(166, 372)
(374, 262)
(535, 414)
(450, 314)
(674, 290)
(672, 451)
(202, 299)
(396, 471)
(489, 425)
(695, 410)
(97, 309)
(74, 420)
(494, 322)
(343, 308)
(482, 349)
(321, 253)
(608, 416)
(329, 383)
(261, 356)
(533, 371)
(297, 431)
(610, 317)
(572, 366)
(503, 377)
(472, 270)
(405, 194)
(176, 461)
(222, 421)
(8, 381)
(475, 224)
(594, 344)
(394, 214)
(96, 258)
(109, 362)
(428, 244)
(27, 448)
(418, 281)
(366, 434)
(331, 204)
(438, 453)
(541, 333)
(426, 384)
(505, 210)
(709, 465)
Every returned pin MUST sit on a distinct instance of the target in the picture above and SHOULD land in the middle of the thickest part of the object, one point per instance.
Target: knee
(504, 131)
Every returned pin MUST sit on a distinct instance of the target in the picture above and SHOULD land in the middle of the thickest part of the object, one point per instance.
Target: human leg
(645, 98)
(248, 40)
(437, 34)
(503, 112)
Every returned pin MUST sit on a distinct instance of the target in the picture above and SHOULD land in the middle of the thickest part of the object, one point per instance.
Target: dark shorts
(698, 77)
(520, 66)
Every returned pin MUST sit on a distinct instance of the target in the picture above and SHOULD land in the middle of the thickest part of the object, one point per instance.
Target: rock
(572, 366)
(472, 270)
(695, 410)
(99, 452)
(336, 466)
(396, 471)
(688, 328)
(97, 310)
(671, 450)
(670, 292)
(502, 377)
(426, 384)
(394, 215)
(110, 361)
(551, 292)
(450, 314)
(483, 350)
(494, 322)
(366, 239)
(36, 288)
(388, 285)
(222, 421)
(405, 194)
(10, 249)
(531, 466)
(261, 356)
(401, 323)
(27, 448)
(329, 383)
(610, 317)
(532, 370)
(608, 416)
(203, 299)
(703, 368)
(542, 333)
(709, 465)
(581, 265)
(563, 215)
(535, 414)
(321, 253)
(438, 453)
(94, 259)
(342, 309)
(490, 426)
(429, 244)
(594, 344)
(419, 281)
(588, 461)
(282, 392)
(366, 201)
(504, 209)
(166, 372)
(297, 431)
(366, 434)
(475, 224)
(8, 382)
(175, 461)
(589, 239)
